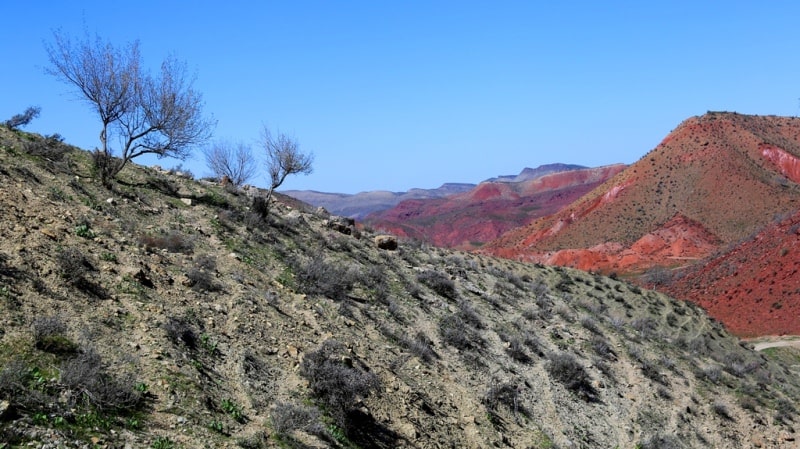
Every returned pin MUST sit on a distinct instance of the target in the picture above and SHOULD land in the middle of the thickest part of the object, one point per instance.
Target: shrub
(286, 418)
(319, 277)
(51, 147)
(458, 334)
(439, 283)
(88, 382)
(661, 442)
(421, 346)
(503, 394)
(602, 347)
(785, 410)
(73, 266)
(335, 381)
(721, 409)
(566, 369)
(202, 281)
(590, 324)
(181, 332)
(49, 334)
(516, 348)
(23, 119)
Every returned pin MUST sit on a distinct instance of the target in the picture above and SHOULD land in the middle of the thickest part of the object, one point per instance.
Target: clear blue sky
(391, 95)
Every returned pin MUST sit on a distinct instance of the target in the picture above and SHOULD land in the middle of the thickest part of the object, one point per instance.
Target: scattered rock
(186, 201)
(5, 406)
(49, 232)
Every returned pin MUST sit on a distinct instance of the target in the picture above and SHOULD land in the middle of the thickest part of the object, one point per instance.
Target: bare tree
(147, 114)
(284, 158)
(232, 160)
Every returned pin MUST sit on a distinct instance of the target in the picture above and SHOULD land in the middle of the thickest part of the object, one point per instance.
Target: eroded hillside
(470, 219)
(724, 175)
(165, 313)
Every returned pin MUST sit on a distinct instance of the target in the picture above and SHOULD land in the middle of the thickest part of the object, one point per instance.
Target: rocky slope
(165, 313)
(719, 177)
(467, 220)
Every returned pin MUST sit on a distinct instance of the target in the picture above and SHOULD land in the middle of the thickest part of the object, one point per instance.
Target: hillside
(467, 220)
(720, 177)
(753, 287)
(165, 313)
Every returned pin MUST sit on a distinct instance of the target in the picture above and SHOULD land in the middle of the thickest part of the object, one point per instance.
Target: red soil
(754, 288)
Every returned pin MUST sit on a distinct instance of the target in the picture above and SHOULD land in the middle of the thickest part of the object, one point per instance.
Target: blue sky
(392, 95)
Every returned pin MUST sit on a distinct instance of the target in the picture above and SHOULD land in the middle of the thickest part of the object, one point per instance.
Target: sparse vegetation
(214, 326)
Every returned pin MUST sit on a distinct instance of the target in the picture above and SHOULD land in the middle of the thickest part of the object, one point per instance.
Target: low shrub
(564, 368)
(320, 277)
(73, 266)
(504, 394)
(336, 382)
(458, 334)
(286, 418)
(49, 334)
(181, 333)
(88, 383)
(421, 346)
(439, 283)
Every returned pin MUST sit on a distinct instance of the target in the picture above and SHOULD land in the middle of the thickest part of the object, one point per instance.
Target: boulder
(344, 225)
(387, 242)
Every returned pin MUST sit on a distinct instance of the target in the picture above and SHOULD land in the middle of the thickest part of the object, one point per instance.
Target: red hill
(712, 181)
(469, 219)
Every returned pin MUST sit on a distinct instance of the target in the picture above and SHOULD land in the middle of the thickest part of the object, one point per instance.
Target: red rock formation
(469, 219)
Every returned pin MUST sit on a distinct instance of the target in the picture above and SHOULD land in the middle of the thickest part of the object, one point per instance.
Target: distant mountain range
(468, 220)
(361, 204)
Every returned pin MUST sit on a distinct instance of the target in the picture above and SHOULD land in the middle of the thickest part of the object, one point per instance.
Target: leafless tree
(232, 160)
(284, 158)
(147, 114)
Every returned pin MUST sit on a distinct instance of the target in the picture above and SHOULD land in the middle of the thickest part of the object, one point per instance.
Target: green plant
(232, 409)
(108, 257)
(133, 423)
(163, 443)
(216, 426)
(209, 345)
(83, 230)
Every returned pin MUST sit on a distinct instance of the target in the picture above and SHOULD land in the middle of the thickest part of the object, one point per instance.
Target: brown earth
(467, 220)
